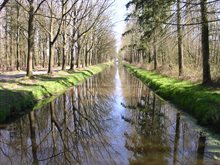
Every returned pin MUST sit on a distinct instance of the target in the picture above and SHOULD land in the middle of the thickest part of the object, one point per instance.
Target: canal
(111, 118)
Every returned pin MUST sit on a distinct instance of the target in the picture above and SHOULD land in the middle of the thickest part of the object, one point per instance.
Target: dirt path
(18, 74)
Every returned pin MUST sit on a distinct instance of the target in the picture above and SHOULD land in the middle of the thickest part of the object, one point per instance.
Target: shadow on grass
(7, 81)
(14, 104)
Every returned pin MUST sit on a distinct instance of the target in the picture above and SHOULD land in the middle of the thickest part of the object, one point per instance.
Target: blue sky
(118, 17)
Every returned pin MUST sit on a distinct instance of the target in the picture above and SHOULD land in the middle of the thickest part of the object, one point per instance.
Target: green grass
(19, 95)
(200, 101)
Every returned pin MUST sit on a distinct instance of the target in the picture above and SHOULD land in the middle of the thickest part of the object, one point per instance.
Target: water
(112, 118)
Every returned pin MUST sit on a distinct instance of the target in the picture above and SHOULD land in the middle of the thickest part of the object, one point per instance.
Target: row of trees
(48, 33)
(179, 34)
(65, 131)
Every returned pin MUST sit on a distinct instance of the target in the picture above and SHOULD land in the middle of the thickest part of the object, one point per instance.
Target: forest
(48, 34)
(176, 38)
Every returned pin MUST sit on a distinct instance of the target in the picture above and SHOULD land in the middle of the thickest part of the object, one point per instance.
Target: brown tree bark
(155, 53)
(18, 39)
(205, 43)
(180, 39)
(64, 42)
(64, 48)
(30, 39)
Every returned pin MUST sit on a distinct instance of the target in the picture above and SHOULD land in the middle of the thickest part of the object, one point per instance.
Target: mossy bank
(19, 95)
(200, 101)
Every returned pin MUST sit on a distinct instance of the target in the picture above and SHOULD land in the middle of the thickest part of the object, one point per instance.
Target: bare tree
(31, 31)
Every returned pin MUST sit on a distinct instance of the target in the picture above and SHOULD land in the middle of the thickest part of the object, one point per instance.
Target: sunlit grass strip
(16, 96)
(200, 101)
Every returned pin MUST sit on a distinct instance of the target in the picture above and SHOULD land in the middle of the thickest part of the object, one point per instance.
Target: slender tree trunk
(149, 55)
(51, 58)
(44, 57)
(72, 57)
(18, 39)
(86, 56)
(34, 61)
(205, 43)
(11, 50)
(51, 50)
(64, 51)
(130, 59)
(74, 42)
(180, 39)
(30, 39)
(58, 59)
(155, 53)
(90, 57)
(64, 43)
(83, 57)
(78, 62)
(6, 37)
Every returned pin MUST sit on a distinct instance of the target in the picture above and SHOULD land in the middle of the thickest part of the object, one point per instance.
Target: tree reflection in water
(68, 129)
(112, 118)
(161, 136)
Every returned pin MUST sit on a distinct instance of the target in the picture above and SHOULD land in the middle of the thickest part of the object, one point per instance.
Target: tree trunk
(18, 39)
(11, 50)
(51, 58)
(30, 39)
(155, 54)
(44, 57)
(78, 62)
(205, 43)
(64, 43)
(51, 51)
(6, 37)
(86, 56)
(90, 57)
(74, 42)
(72, 57)
(149, 55)
(83, 57)
(58, 59)
(180, 39)
(64, 50)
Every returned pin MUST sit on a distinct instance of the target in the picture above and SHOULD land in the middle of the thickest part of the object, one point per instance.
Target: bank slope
(18, 95)
(201, 102)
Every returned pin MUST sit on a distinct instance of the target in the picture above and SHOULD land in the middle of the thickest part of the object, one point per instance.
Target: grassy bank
(18, 95)
(200, 101)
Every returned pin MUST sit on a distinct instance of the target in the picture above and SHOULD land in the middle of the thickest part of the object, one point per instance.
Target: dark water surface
(112, 118)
